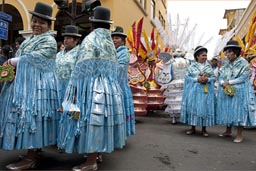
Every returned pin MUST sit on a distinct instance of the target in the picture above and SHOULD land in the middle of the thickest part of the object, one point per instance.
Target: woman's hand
(202, 79)
(225, 84)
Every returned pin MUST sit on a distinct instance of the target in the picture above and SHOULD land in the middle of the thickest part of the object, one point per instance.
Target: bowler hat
(232, 44)
(199, 48)
(71, 30)
(118, 31)
(43, 11)
(101, 15)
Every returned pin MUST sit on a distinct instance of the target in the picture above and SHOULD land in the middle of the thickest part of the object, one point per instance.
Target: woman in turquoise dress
(66, 58)
(95, 96)
(235, 98)
(28, 105)
(123, 57)
(198, 101)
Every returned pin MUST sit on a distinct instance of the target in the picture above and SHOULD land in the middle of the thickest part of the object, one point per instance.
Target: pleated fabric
(198, 106)
(94, 88)
(123, 57)
(238, 110)
(28, 105)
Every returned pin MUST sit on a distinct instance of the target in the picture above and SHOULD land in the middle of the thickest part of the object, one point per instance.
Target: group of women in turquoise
(85, 76)
(233, 105)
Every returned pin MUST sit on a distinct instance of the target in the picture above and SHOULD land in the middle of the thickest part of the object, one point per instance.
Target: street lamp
(87, 7)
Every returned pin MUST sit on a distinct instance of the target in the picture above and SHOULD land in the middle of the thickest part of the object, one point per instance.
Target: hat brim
(232, 46)
(71, 34)
(199, 49)
(42, 16)
(119, 34)
(100, 21)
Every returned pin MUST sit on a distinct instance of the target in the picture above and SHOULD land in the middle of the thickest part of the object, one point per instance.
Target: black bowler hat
(43, 11)
(118, 31)
(71, 30)
(232, 44)
(101, 15)
(199, 48)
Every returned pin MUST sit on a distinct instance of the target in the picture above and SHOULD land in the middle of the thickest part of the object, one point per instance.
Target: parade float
(144, 67)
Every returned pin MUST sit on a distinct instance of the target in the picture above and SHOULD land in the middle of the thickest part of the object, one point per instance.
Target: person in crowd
(235, 98)
(94, 98)
(28, 105)
(214, 62)
(123, 56)
(6, 53)
(66, 58)
(18, 42)
(60, 46)
(198, 100)
(174, 90)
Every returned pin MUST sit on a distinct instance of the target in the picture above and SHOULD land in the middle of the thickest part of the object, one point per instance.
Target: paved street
(158, 145)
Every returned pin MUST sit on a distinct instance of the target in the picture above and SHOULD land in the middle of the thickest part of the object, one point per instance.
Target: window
(152, 9)
(161, 19)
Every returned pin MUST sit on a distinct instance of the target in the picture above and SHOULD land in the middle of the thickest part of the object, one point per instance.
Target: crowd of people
(75, 94)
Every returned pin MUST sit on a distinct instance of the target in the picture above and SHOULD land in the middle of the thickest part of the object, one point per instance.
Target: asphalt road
(158, 145)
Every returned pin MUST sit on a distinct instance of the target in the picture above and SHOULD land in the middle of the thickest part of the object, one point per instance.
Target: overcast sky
(208, 15)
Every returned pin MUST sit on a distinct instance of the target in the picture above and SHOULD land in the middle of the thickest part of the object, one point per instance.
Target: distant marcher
(18, 42)
(60, 46)
(235, 98)
(6, 53)
(214, 62)
(198, 101)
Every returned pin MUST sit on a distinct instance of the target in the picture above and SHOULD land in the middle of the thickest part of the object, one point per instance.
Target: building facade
(233, 16)
(123, 13)
(239, 18)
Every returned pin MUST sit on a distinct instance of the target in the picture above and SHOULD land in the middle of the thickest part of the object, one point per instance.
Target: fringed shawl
(238, 71)
(65, 62)
(195, 70)
(123, 55)
(94, 83)
(35, 81)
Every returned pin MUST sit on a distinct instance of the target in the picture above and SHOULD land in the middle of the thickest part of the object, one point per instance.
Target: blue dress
(65, 63)
(94, 89)
(123, 57)
(238, 110)
(198, 101)
(28, 105)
